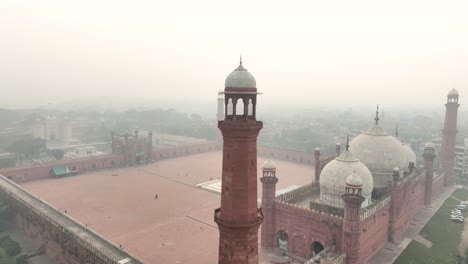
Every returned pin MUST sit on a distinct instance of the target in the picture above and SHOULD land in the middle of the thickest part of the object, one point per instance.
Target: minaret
(449, 133)
(220, 112)
(351, 218)
(113, 142)
(239, 217)
(317, 164)
(429, 155)
(269, 181)
(220, 117)
(338, 149)
(150, 146)
(395, 203)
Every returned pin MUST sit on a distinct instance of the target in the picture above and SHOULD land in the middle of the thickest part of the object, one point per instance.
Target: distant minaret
(317, 165)
(338, 149)
(220, 117)
(220, 112)
(429, 155)
(449, 133)
(269, 181)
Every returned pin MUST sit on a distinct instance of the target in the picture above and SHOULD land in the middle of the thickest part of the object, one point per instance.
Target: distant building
(461, 160)
(83, 152)
(53, 129)
(135, 149)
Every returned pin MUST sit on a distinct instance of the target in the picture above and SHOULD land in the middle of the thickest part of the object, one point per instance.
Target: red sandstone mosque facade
(361, 198)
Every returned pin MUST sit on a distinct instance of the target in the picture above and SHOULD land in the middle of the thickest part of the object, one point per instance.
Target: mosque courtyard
(157, 212)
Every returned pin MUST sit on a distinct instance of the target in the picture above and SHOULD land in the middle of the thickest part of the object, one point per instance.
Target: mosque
(363, 197)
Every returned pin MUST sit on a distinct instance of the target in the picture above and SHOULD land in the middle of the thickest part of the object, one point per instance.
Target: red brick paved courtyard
(177, 227)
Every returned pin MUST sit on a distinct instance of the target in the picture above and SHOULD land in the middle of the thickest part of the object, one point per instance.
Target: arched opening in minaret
(316, 248)
(283, 240)
(240, 107)
(230, 108)
(250, 108)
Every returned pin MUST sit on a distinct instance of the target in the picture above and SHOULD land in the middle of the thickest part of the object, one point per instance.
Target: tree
(28, 147)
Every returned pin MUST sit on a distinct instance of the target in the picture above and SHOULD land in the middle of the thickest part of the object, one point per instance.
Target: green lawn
(444, 234)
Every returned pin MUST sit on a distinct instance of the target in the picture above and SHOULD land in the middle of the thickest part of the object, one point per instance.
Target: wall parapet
(307, 213)
(85, 237)
(296, 193)
(374, 208)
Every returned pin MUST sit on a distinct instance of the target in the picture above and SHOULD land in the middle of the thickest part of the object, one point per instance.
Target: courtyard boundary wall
(41, 171)
(286, 154)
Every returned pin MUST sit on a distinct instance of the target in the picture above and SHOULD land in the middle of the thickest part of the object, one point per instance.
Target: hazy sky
(301, 52)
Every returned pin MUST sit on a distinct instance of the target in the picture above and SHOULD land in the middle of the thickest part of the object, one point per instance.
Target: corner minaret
(351, 218)
(220, 117)
(429, 155)
(269, 181)
(317, 165)
(220, 112)
(239, 217)
(449, 133)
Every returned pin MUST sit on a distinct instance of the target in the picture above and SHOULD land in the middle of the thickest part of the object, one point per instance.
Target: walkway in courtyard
(391, 250)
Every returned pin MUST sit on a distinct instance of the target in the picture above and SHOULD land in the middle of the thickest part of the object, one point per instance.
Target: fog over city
(178, 53)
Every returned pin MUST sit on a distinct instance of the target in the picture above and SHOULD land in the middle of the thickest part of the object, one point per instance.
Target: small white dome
(240, 78)
(380, 152)
(429, 145)
(354, 180)
(269, 165)
(453, 93)
(334, 175)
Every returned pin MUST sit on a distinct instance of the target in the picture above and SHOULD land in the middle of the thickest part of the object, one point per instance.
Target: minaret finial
(347, 142)
(377, 116)
(396, 131)
(240, 59)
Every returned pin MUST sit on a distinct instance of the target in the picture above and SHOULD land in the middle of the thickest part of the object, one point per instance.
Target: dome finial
(240, 59)
(377, 116)
(347, 142)
(396, 130)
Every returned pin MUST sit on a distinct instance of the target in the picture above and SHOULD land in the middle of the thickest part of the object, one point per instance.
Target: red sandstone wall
(305, 227)
(36, 172)
(57, 245)
(374, 233)
(290, 155)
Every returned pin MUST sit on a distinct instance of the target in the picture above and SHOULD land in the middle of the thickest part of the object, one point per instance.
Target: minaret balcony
(252, 222)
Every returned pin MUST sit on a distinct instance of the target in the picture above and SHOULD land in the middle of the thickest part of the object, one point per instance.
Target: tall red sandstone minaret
(239, 217)
(429, 155)
(269, 181)
(352, 218)
(449, 133)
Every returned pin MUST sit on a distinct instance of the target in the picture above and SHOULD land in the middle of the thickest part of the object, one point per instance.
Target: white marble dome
(240, 78)
(453, 93)
(380, 152)
(429, 144)
(334, 175)
(269, 165)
